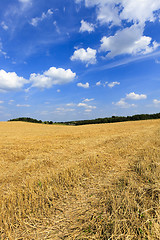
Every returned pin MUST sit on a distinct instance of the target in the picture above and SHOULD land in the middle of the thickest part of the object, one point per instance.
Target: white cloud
(157, 61)
(123, 104)
(131, 96)
(85, 105)
(112, 84)
(62, 110)
(128, 41)
(98, 83)
(88, 110)
(56, 26)
(86, 27)
(58, 90)
(22, 105)
(1, 102)
(87, 56)
(25, 1)
(70, 104)
(114, 11)
(10, 81)
(88, 100)
(1, 50)
(139, 10)
(86, 85)
(78, 1)
(156, 102)
(134, 96)
(4, 26)
(104, 84)
(34, 22)
(10, 101)
(54, 76)
(108, 14)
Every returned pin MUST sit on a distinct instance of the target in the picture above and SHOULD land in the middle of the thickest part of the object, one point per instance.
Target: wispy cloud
(88, 100)
(4, 26)
(64, 110)
(23, 105)
(123, 62)
(35, 21)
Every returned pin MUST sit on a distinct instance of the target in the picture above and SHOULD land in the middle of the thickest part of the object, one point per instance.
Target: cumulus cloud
(112, 84)
(123, 104)
(108, 14)
(1, 102)
(128, 41)
(83, 85)
(54, 76)
(115, 11)
(86, 27)
(130, 96)
(104, 84)
(140, 10)
(87, 56)
(35, 21)
(85, 105)
(156, 102)
(10, 81)
(134, 96)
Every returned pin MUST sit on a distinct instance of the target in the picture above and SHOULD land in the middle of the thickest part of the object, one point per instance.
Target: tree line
(32, 120)
(112, 119)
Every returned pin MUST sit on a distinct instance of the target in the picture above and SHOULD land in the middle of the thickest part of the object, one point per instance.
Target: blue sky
(79, 59)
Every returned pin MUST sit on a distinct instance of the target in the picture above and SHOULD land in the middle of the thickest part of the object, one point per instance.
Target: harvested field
(85, 182)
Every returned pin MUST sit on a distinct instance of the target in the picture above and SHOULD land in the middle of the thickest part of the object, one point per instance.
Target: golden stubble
(80, 182)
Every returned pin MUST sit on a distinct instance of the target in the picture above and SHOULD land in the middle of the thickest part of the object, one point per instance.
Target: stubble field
(85, 182)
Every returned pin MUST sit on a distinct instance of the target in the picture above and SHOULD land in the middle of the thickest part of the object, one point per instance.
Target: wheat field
(80, 182)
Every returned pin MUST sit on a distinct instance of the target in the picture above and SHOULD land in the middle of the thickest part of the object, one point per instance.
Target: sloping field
(85, 182)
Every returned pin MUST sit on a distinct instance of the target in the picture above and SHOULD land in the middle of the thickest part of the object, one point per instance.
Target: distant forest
(112, 119)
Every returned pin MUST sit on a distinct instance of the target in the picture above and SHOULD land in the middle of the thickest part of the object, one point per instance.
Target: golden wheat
(85, 182)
